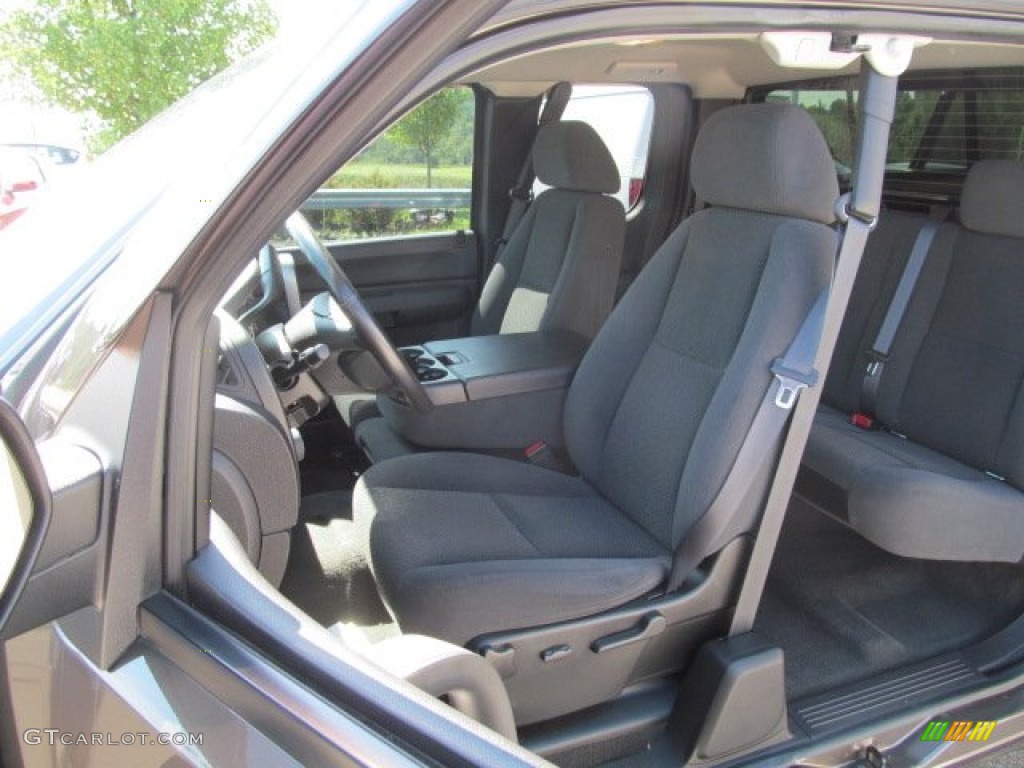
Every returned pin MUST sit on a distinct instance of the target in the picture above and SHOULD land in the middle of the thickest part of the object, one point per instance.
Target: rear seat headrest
(570, 155)
(993, 198)
(766, 157)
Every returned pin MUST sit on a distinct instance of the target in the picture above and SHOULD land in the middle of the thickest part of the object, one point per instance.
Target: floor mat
(843, 609)
(333, 460)
(327, 575)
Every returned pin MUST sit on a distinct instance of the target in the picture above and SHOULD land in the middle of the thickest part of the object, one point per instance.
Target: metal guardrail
(395, 199)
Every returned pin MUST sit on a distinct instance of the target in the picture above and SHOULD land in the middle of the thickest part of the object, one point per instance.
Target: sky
(22, 121)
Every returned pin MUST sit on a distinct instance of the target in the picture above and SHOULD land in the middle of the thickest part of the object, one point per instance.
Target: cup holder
(430, 374)
(423, 365)
(412, 354)
(427, 368)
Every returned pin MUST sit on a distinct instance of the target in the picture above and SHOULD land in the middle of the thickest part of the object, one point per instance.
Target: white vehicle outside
(622, 116)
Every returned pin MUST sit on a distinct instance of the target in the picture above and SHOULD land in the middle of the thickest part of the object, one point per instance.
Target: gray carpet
(327, 575)
(842, 609)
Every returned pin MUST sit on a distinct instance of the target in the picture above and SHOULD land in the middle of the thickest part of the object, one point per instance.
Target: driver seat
(466, 546)
(560, 266)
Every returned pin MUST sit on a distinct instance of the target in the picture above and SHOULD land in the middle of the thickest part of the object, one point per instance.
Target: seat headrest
(769, 158)
(570, 155)
(992, 201)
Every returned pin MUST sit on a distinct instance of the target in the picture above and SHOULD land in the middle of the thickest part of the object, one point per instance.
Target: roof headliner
(714, 66)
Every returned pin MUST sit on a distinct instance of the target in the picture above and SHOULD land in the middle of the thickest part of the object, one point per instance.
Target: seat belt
(879, 353)
(877, 104)
(793, 372)
(521, 194)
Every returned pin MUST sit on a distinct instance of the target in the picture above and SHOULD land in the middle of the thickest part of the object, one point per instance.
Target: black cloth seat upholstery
(461, 545)
(943, 480)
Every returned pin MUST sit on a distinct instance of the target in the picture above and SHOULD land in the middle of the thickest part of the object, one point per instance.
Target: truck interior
(474, 462)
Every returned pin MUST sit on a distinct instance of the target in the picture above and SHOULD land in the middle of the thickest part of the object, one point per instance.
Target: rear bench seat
(942, 478)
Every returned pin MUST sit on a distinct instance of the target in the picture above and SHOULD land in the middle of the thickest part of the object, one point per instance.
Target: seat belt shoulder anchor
(876, 362)
(865, 218)
(791, 381)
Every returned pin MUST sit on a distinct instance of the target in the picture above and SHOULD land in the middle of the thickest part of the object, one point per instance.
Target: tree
(426, 127)
(126, 60)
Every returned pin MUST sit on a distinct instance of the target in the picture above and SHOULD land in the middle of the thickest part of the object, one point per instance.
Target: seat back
(954, 378)
(668, 390)
(885, 257)
(560, 266)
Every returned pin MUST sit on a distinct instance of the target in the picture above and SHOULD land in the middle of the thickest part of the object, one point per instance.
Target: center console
(489, 392)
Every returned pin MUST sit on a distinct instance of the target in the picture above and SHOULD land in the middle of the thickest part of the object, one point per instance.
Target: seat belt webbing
(791, 452)
(793, 372)
(557, 99)
(879, 352)
(877, 104)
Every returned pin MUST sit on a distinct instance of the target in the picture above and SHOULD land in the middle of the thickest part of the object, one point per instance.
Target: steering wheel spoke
(366, 327)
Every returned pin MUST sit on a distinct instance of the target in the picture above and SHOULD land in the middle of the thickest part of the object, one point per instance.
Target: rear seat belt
(877, 103)
(521, 194)
(879, 353)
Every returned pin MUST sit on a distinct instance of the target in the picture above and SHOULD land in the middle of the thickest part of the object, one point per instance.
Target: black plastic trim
(22, 448)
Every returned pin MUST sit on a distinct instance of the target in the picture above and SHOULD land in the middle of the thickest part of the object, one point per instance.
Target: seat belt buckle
(538, 452)
(791, 382)
(519, 193)
(862, 421)
(541, 454)
(535, 448)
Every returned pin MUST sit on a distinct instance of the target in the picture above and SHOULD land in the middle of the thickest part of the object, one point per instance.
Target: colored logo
(958, 730)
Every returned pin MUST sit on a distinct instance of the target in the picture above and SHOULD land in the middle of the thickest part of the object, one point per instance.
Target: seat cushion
(463, 544)
(909, 499)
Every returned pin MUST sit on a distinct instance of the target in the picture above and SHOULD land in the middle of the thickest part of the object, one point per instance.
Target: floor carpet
(327, 575)
(843, 609)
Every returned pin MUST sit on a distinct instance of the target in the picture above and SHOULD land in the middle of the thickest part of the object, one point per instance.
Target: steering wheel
(369, 332)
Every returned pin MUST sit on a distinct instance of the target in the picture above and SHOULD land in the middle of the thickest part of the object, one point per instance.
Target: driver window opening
(414, 178)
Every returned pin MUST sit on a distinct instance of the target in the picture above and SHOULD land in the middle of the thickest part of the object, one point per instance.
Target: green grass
(356, 173)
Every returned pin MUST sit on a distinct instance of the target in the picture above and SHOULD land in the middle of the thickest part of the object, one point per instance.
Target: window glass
(414, 178)
(914, 110)
(1000, 116)
(622, 116)
(943, 123)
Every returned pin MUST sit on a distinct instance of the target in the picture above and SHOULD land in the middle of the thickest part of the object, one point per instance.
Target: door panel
(419, 287)
(179, 696)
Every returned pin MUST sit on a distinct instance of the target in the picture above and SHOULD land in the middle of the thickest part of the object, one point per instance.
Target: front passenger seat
(466, 545)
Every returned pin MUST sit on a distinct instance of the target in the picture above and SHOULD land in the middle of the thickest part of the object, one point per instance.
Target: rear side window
(944, 122)
(622, 116)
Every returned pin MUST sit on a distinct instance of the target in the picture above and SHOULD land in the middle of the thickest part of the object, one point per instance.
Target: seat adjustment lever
(651, 625)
